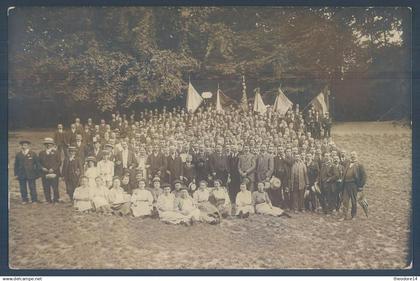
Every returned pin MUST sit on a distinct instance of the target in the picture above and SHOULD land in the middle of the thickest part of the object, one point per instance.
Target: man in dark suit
(60, 140)
(246, 167)
(71, 171)
(265, 165)
(174, 166)
(27, 170)
(81, 149)
(354, 179)
(50, 166)
(219, 167)
(71, 136)
(155, 163)
(125, 160)
(335, 180)
(201, 164)
(97, 150)
(235, 177)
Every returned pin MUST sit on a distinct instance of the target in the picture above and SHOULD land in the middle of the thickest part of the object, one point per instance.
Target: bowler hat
(24, 141)
(91, 158)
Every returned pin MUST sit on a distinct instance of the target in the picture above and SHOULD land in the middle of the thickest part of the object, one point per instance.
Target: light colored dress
(201, 199)
(119, 200)
(167, 211)
(91, 173)
(188, 208)
(82, 199)
(222, 201)
(99, 196)
(106, 171)
(263, 204)
(141, 202)
(244, 202)
(141, 160)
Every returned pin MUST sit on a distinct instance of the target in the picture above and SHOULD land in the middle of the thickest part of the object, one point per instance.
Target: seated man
(167, 210)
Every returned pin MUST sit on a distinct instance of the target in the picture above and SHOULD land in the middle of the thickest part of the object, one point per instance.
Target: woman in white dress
(91, 171)
(263, 205)
(221, 199)
(141, 200)
(186, 206)
(82, 196)
(167, 210)
(244, 206)
(106, 168)
(100, 196)
(119, 199)
(201, 198)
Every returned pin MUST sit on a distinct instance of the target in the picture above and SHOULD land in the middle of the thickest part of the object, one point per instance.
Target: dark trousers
(297, 199)
(70, 188)
(23, 186)
(311, 201)
(221, 175)
(332, 197)
(233, 188)
(324, 197)
(275, 196)
(350, 194)
(49, 184)
(327, 132)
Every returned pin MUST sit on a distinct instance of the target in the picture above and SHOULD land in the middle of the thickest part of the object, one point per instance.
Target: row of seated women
(207, 204)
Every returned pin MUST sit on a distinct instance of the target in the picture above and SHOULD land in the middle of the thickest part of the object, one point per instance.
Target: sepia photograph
(210, 137)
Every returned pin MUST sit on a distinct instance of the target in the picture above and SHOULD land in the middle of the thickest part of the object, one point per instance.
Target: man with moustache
(50, 163)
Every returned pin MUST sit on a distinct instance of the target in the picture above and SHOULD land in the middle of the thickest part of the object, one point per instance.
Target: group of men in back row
(300, 170)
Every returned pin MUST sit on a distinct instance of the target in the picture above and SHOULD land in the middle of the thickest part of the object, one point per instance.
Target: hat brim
(24, 141)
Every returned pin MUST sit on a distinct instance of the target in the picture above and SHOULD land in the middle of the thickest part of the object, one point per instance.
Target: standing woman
(263, 205)
(141, 200)
(91, 171)
(106, 169)
(221, 198)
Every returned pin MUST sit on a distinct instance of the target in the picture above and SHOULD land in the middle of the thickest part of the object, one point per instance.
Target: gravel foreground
(55, 237)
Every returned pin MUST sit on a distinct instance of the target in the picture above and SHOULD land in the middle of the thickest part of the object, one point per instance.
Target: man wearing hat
(125, 160)
(50, 166)
(27, 170)
(71, 171)
(81, 150)
(246, 167)
(326, 125)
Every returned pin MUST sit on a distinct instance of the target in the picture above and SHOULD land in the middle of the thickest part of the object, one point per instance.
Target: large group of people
(183, 167)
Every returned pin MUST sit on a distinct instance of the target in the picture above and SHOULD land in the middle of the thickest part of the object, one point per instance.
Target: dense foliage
(120, 57)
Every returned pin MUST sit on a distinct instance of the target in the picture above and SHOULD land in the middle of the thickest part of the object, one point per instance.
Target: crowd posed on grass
(183, 167)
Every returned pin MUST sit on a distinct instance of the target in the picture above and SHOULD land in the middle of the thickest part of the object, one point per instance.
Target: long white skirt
(141, 208)
(172, 217)
(265, 209)
(99, 201)
(245, 209)
(82, 205)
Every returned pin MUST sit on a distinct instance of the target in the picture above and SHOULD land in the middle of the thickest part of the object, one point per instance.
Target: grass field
(55, 237)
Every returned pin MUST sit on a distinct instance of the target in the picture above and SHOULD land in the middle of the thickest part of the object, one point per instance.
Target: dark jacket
(360, 175)
(50, 161)
(71, 171)
(27, 167)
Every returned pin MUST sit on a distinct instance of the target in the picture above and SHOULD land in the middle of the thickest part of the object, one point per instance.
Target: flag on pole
(319, 104)
(259, 105)
(193, 99)
(218, 104)
(282, 103)
(244, 100)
